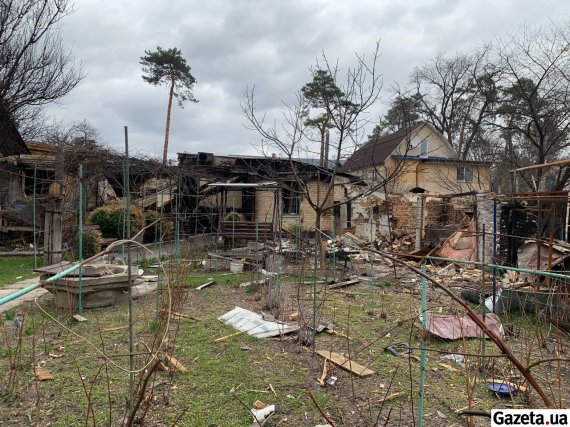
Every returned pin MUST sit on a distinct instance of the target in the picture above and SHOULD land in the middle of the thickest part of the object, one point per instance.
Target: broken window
(291, 195)
(465, 173)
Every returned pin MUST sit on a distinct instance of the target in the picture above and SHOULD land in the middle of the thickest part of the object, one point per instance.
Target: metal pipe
(34, 217)
(494, 253)
(80, 296)
(128, 232)
(424, 349)
(20, 292)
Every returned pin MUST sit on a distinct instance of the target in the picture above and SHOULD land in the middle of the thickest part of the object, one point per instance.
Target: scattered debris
(344, 284)
(175, 363)
(42, 374)
(455, 327)
(79, 318)
(536, 255)
(184, 316)
(258, 404)
(462, 244)
(272, 389)
(205, 285)
(331, 380)
(343, 362)
(449, 368)
(350, 239)
(225, 337)
(293, 317)
(457, 358)
(340, 334)
(253, 323)
(324, 374)
(254, 283)
(325, 326)
(261, 415)
(393, 348)
(392, 397)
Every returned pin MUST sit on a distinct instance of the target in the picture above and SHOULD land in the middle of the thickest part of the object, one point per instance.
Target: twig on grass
(323, 413)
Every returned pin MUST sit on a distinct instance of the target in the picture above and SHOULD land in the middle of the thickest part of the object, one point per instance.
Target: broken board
(344, 284)
(344, 363)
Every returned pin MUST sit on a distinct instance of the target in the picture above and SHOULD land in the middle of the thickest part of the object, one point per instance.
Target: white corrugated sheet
(254, 324)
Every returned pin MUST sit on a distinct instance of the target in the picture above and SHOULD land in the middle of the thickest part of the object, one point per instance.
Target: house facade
(268, 190)
(402, 166)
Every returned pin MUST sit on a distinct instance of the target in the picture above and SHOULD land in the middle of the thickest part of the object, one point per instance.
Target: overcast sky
(270, 44)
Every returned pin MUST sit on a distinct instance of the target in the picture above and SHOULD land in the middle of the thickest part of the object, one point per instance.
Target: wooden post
(53, 223)
(419, 222)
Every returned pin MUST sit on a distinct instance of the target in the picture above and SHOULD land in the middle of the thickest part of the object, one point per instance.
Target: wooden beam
(565, 162)
(343, 362)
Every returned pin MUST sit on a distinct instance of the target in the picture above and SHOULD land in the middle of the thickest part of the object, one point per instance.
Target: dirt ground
(224, 379)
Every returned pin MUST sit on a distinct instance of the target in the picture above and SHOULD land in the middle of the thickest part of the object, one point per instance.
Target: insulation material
(455, 327)
(530, 252)
(461, 245)
(254, 324)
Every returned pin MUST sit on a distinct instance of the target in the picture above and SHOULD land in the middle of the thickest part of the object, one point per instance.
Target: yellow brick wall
(436, 178)
(264, 202)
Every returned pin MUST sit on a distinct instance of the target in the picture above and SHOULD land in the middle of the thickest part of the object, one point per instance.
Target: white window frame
(463, 175)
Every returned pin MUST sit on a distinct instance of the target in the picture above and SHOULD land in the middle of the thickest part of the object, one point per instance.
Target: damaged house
(413, 162)
(239, 191)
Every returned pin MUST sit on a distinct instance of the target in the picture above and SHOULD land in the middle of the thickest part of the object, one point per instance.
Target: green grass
(240, 368)
(14, 269)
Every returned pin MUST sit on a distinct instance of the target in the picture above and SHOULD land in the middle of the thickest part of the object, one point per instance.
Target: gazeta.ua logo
(530, 417)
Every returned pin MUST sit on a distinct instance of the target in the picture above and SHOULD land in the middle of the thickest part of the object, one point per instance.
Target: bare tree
(456, 95)
(534, 114)
(343, 105)
(35, 66)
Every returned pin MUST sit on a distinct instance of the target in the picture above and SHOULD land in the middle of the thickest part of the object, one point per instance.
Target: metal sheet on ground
(455, 327)
(254, 324)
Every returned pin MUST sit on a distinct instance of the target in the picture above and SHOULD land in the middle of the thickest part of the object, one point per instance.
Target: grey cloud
(233, 44)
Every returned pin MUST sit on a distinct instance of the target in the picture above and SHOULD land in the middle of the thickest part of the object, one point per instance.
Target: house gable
(424, 142)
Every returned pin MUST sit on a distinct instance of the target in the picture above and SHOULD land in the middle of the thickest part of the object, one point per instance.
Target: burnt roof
(375, 153)
(11, 142)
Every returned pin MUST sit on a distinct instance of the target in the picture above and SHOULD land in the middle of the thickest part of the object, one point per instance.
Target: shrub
(91, 244)
(111, 220)
(153, 233)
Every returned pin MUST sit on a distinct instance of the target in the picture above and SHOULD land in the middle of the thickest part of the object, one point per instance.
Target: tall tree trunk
(167, 131)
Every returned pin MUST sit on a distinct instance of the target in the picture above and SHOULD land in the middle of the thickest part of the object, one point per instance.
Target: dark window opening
(43, 180)
(291, 195)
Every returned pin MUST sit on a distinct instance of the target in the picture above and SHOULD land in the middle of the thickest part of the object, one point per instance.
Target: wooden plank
(205, 285)
(544, 165)
(344, 284)
(392, 397)
(343, 362)
(175, 363)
